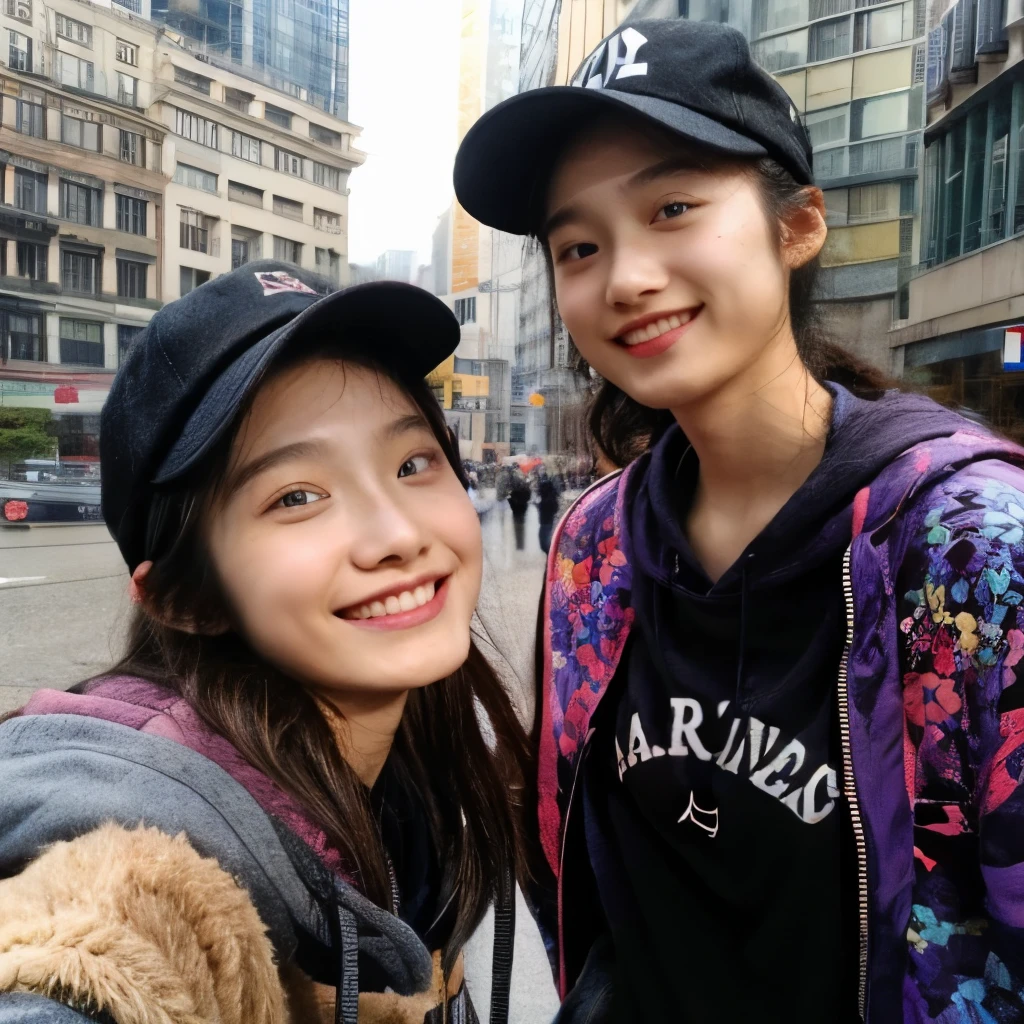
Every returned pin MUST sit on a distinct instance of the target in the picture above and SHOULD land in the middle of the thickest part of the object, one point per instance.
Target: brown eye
(417, 464)
(293, 499)
(672, 210)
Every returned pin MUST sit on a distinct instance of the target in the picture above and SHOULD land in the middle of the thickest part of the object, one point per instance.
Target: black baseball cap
(186, 376)
(696, 78)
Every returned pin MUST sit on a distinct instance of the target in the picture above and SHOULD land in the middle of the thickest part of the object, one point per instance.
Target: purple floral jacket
(931, 705)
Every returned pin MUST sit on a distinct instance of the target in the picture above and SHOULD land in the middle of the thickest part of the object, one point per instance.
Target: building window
(880, 115)
(193, 177)
(290, 163)
(132, 149)
(83, 134)
(465, 310)
(127, 89)
(825, 127)
(74, 30)
(238, 100)
(27, 339)
(32, 261)
(245, 247)
(884, 27)
(80, 272)
(191, 278)
(245, 194)
(29, 118)
(126, 336)
(517, 433)
(193, 81)
(874, 202)
(277, 116)
(20, 9)
(781, 52)
(245, 147)
(328, 263)
(324, 220)
(81, 342)
(19, 56)
(74, 72)
(29, 191)
(131, 215)
(131, 279)
(194, 231)
(198, 129)
(127, 53)
(329, 177)
(287, 250)
(829, 39)
(81, 204)
(325, 136)
(287, 208)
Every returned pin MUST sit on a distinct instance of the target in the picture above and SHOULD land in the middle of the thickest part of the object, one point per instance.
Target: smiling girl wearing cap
(781, 711)
(296, 795)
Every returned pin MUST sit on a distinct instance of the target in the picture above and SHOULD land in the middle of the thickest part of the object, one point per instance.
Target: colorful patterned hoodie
(931, 711)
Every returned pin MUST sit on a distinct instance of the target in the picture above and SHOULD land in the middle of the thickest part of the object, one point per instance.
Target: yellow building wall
(876, 73)
(861, 244)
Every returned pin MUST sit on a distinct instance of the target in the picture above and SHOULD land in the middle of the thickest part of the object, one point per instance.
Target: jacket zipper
(850, 792)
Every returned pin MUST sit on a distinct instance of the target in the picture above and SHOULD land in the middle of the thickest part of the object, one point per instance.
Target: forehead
(318, 394)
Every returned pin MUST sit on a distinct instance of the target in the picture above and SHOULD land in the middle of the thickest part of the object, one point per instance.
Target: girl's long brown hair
(473, 788)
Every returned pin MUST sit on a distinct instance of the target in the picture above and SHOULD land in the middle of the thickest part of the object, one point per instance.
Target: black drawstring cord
(346, 945)
(504, 942)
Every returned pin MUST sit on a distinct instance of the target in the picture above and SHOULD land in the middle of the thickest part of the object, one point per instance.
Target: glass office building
(299, 47)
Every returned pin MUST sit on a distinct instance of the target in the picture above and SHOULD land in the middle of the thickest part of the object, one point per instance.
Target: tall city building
(395, 265)
(299, 47)
(960, 338)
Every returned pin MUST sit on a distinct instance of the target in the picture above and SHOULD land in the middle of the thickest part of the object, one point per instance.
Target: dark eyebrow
(403, 425)
(662, 169)
(298, 450)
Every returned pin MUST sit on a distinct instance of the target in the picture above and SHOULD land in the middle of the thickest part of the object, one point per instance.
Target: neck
(364, 727)
(758, 439)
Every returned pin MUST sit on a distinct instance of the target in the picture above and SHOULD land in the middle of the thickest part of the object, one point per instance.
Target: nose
(385, 533)
(634, 272)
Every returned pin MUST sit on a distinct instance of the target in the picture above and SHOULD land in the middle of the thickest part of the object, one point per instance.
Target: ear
(803, 230)
(138, 595)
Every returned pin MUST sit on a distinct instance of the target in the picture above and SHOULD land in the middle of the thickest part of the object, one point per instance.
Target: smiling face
(345, 543)
(668, 276)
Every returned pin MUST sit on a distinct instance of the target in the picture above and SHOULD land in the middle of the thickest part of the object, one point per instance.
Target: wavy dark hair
(470, 777)
(625, 429)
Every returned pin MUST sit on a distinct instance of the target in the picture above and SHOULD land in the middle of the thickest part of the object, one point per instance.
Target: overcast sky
(404, 73)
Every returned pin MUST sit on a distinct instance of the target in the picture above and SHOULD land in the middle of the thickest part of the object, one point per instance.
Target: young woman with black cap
(298, 792)
(780, 721)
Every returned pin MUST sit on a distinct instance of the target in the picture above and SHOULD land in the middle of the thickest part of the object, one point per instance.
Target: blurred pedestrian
(519, 496)
(548, 498)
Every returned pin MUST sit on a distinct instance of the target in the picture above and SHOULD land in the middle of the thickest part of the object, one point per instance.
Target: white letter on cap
(633, 40)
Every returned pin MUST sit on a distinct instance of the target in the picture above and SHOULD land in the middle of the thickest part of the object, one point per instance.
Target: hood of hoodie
(813, 526)
(71, 762)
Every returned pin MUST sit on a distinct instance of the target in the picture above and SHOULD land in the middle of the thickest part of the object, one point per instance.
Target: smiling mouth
(656, 328)
(394, 604)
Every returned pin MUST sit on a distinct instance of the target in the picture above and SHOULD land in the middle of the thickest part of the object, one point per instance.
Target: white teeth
(406, 601)
(657, 328)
